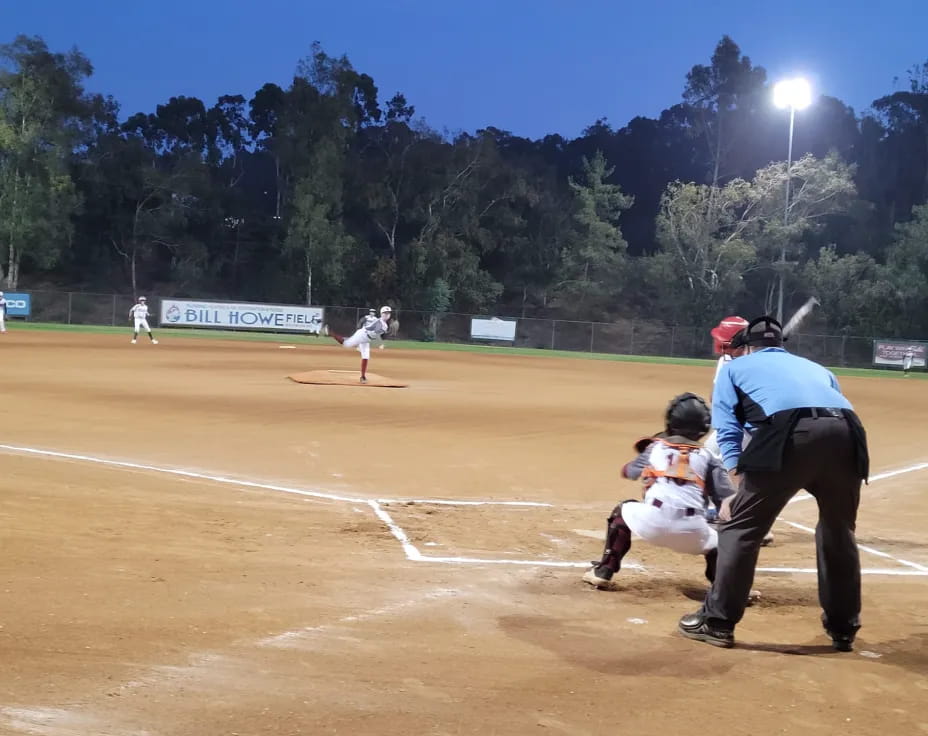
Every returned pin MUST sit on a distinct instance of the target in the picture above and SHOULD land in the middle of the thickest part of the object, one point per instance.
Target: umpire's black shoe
(839, 642)
(697, 626)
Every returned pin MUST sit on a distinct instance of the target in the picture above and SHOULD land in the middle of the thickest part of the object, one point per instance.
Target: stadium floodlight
(795, 94)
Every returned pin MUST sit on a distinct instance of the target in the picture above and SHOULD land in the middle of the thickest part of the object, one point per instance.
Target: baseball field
(194, 545)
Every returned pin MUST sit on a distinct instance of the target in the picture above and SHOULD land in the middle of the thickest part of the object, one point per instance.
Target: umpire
(803, 434)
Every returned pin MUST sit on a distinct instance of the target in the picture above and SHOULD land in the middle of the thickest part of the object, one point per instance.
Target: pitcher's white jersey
(376, 329)
(139, 312)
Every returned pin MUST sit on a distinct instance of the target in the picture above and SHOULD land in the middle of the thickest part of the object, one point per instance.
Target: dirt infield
(194, 545)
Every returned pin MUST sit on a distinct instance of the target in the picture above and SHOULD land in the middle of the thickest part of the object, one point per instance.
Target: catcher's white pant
(670, 527)
(361, 341)
(142, 324)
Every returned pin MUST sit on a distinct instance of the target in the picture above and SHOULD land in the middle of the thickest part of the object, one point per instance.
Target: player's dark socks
(135, 335)
(618, 542)
(338, 338)
(151, 337)
(363, 367)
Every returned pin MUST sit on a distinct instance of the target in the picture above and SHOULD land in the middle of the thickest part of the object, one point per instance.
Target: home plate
(345, 378)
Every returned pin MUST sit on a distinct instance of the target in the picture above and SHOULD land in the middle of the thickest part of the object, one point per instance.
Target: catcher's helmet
(688, 416)
(724, 331)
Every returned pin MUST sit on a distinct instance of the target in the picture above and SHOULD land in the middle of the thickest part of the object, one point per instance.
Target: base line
(873, 479)
(411, 551)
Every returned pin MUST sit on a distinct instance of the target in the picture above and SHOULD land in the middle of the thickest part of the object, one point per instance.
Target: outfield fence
(622, 337)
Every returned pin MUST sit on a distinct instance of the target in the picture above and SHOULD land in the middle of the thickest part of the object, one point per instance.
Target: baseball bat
(799, 316)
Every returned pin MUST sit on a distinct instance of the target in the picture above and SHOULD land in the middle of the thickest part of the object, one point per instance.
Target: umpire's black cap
(762, 331)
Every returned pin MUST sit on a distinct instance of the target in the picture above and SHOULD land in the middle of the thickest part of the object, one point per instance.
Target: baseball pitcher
(363, 336)
(139, 315)
(680, 477)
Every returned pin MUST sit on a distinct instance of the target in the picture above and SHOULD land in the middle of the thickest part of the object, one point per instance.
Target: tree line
(326, 192)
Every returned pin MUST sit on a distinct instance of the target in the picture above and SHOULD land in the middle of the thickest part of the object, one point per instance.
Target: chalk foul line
(411, 551)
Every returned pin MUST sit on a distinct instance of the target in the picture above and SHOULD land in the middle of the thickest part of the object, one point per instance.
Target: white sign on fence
(241, 316)
(493, 328)
(900, 354)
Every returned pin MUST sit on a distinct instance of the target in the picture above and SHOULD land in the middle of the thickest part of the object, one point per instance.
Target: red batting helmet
(724, 331)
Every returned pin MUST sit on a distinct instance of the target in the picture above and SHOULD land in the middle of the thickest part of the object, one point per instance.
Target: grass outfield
(289, 338)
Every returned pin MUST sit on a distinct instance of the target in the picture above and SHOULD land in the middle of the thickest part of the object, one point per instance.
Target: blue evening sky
(531, 67)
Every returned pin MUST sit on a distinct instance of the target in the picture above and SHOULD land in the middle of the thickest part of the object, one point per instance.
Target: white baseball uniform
(362, 337)
(139, 314)
(679, 476)
(2, 314)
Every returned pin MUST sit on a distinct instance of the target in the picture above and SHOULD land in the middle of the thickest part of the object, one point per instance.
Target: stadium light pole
(795, 94)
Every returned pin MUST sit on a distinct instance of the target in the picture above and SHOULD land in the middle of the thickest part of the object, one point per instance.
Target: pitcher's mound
(345, 378)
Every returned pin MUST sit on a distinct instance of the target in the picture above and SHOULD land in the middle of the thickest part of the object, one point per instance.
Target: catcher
(679, 476)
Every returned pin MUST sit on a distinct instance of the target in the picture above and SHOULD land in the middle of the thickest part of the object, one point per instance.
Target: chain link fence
(623, 337)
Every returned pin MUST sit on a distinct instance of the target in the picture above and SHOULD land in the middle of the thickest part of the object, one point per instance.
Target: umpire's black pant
(820, 457)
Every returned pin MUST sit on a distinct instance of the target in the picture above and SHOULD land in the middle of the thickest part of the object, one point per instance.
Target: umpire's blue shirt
(772, 380)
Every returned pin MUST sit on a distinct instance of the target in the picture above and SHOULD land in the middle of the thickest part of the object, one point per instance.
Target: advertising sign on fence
(899, 353)
(493, 328)
(18, 305)
(241, 316)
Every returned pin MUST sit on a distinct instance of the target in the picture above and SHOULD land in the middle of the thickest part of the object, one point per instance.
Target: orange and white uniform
(680, 477)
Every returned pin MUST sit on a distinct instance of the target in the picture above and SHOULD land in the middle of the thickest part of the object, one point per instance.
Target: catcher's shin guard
(618, 542)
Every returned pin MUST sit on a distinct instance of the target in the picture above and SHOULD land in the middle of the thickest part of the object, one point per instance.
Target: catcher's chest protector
(678, 464)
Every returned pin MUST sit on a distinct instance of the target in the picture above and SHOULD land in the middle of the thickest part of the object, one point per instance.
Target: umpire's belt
(817, 412)
(685, 512)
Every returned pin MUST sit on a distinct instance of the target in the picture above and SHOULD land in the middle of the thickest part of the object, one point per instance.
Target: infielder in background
(679, 476)
(139, 315)
(367, 319)
(2, 312)
(363, 336)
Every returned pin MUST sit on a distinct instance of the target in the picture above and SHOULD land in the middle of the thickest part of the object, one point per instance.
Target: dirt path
(142, 602)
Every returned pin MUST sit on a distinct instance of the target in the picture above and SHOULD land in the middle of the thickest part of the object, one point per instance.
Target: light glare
(794, 93)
